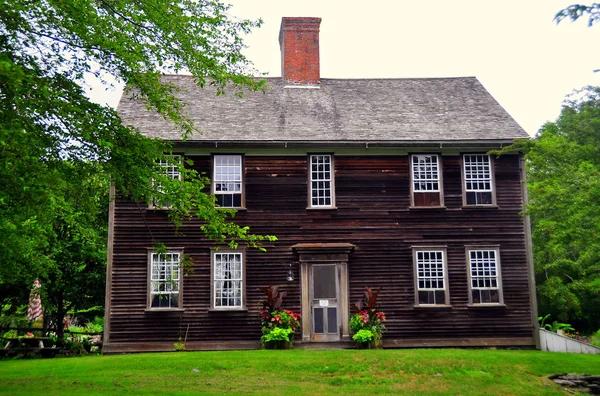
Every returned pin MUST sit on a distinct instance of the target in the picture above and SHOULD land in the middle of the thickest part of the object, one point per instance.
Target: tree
(576, 11)
(56, 144)
(563, 171)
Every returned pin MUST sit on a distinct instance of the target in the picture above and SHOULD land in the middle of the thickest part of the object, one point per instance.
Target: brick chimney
(299, 43)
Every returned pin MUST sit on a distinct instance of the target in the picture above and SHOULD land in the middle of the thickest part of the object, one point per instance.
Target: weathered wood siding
(372, 199)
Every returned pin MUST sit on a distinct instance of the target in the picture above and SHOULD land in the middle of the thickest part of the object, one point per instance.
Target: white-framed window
(171, 170)
(165, 279)
(321, 181)
(426, 180)
(484, 275)
(431, 276)
(477, 171)
(228, 180)
(227, 280)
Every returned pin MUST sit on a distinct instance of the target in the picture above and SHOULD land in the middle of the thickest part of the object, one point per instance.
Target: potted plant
(367, 323)
(278, 325)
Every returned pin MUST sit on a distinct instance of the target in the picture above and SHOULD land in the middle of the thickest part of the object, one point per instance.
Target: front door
(324, 289)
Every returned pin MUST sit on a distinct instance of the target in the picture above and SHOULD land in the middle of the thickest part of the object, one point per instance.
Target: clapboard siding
(373, 213)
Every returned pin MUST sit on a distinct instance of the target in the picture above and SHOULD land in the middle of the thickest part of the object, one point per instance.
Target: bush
(595, 339)
(363, 336)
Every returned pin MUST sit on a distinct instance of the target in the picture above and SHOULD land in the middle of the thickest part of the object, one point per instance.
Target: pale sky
(524, 59)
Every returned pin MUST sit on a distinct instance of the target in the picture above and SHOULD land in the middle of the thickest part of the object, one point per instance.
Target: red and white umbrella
(35, 302)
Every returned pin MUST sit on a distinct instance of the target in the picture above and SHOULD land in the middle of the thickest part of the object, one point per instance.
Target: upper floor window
(426, 180)
(478, 179)
(431, 279)
(227, 280)
(321, 181)
(171, 170)
(484, 276)
(228, 180)
(165, 279)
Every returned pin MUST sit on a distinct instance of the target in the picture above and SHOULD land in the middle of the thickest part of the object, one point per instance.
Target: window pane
(324, 281)
(227, 180)
(332, 320)
(425, 172)
(478, 179)
(430, 277)
(321, 177)
(227, 281)
(484, 276)
(318, 317)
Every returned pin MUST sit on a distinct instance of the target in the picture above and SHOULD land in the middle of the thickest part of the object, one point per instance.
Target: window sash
(484, 269)
(228, 183)
(430, 270)
(484, 276)
(477, 173)
(228, 280)
(321, 180)
(227, 174)
(170, 169)
(430, 279)
(425, 173)
(165, 279)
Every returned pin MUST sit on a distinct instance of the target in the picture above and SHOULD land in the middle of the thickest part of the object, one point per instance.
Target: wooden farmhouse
(365, 182)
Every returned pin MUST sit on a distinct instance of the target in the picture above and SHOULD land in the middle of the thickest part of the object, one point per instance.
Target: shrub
(363, 336)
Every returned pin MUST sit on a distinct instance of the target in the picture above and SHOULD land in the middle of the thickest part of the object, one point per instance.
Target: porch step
(325, 345)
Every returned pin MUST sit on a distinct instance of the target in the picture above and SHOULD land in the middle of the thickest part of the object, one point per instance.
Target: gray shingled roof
(362, 110)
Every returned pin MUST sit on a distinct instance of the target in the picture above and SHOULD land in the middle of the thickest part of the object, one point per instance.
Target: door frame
(324, 253)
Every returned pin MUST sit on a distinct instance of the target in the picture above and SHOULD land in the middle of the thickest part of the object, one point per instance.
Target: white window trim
(468, 250)
(150, 293)
(213, 289)
(491, 190)
(169, 170)
(440, 181)
(446, 289)
(331, 181)
(242, 180)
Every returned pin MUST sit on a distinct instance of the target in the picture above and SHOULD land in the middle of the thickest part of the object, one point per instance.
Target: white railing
(553, 342)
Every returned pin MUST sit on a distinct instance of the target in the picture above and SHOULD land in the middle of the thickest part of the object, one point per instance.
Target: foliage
(370, 300)
(59, 150)
(555, 326)
(563, 178)
(328, 372)
(595, 339)
(277, 334)
(369, 318)
(576, 11)
(277, 324)
(179, 345)
(564, 188)
(542, 321)
(273, 300)
(363, 336)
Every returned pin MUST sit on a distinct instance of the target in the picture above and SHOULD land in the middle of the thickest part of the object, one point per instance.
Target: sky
(524, 59)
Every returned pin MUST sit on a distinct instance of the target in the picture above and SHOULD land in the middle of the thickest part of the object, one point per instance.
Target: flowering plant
(368, 319)
(277, 324)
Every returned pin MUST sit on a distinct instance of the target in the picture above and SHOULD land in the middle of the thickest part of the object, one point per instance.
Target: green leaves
(58, 150)
(563, 165)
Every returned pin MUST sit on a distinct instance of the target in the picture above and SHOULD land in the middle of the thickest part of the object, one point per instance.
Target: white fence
(553, 342)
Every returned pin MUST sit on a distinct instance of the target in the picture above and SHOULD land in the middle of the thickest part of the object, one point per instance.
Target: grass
(343, 372)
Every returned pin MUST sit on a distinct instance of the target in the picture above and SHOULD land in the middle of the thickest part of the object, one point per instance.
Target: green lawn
(298, 371)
